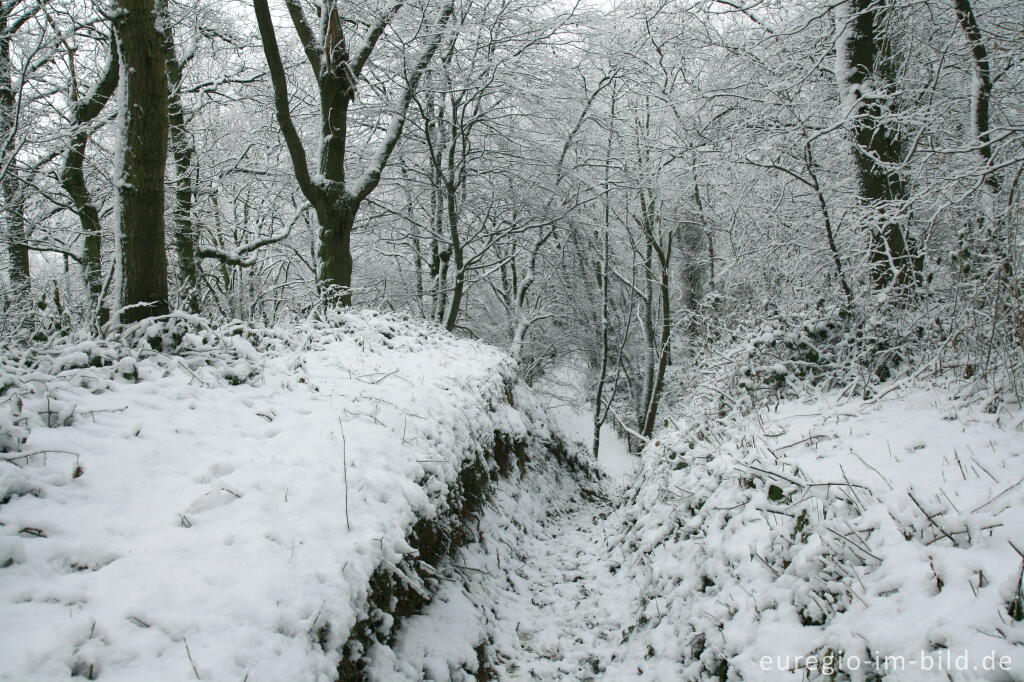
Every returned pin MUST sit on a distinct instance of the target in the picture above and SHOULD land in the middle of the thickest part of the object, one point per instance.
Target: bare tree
(336, 199)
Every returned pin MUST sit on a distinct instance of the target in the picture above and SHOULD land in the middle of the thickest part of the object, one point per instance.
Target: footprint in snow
(212, 500)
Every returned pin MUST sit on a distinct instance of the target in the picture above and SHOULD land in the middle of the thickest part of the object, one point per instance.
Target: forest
(699, 214)
(628, 184)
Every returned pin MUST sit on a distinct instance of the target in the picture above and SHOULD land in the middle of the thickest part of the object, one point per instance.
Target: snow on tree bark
(140, 237)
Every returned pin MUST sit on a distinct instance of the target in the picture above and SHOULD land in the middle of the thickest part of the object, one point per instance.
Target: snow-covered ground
(538, 597)
(868, 537)
(216, 514)
(220, 518)
(786, 546)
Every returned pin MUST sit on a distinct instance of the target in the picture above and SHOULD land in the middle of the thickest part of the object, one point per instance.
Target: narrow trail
(566, 593)
(541, 587)
(567, 598)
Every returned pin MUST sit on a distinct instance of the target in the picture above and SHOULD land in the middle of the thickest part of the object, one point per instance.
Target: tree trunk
(981, 87)
(870, 74)
(457, 255)
(600, 413)
(335, 252)
(186, 233)
(73, 174)
(10, 183)
(827, 221)
(141, 249)
(658, 379)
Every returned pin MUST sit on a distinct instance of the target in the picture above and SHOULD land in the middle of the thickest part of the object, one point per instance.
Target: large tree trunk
(336, 250)
(870, 73)
(10, 183)
(141, 249)
(186, 233)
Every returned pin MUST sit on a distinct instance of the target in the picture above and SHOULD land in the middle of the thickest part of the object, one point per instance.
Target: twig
(852, 491)
(189, 654)
(810, 438)
(998, 496)
(344, 464)
(884, 479)
(767, 565)
(932, 521)
(975, 460)
(41, 452)
(378, 379)
(469, 568)
(857, 546)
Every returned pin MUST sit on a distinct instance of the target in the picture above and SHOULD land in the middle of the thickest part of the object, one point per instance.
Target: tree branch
(284, 117)
(90, 107)
(306, 36)
(368, 180)
(370, 41)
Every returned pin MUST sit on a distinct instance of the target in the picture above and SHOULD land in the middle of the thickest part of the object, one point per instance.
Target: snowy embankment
(234, 504)
(536, 596)
(823, 538)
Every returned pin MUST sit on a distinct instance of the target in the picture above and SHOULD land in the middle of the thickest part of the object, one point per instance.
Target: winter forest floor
(240, 508)
(874, 539)
(544, 573)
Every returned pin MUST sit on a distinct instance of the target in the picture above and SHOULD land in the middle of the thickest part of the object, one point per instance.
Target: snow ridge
(182, 501)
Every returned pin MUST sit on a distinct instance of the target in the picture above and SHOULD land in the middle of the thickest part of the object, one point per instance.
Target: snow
(771, 545)
(202, 522)
(538, 596)
(564, 400)
(195, 503)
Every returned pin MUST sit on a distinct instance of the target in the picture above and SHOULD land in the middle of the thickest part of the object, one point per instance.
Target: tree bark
(73, 174)
(141, 248)
(10, 182)
(870, 74)
(186, 232)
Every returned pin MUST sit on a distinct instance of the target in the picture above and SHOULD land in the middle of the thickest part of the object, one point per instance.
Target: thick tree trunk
(870, 73)
(141, 248)
(335, 252)
(10, 183)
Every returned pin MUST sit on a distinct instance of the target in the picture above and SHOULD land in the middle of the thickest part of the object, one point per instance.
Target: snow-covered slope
(828, 537)
(216, 511)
